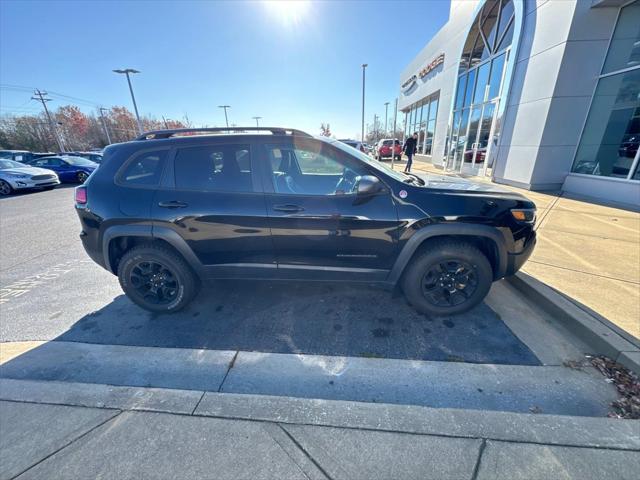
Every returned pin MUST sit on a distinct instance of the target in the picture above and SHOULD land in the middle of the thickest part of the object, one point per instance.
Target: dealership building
(540, 94)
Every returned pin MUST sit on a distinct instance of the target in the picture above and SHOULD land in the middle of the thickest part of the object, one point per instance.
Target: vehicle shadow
(309, 318)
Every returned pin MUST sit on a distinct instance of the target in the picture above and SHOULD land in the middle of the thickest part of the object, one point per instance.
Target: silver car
(18, 176)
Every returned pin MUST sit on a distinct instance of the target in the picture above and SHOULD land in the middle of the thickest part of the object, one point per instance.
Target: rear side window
(145, 169)
(214, 168)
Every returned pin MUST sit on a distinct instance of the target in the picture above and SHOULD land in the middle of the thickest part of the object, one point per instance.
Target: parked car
(68, 169)
(22, 155)
(18, 176)
(168, 210)
(95, 157)
(355, 144)
(384, 148)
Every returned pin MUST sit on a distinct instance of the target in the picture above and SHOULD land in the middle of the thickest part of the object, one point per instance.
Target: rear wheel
(82, 177)
(448, 278)
(157, 279)
(5, 188)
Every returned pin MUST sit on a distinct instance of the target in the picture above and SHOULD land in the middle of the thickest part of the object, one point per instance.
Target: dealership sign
(408, 84)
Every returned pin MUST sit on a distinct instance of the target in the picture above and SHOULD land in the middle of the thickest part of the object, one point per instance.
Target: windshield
(381, 167)
(5, 164)
(82, 162)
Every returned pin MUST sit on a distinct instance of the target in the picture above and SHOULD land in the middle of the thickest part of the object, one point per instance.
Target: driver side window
(312, 170)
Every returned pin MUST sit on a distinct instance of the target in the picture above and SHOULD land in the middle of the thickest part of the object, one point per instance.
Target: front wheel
(5, 188)
(448, 278)
(82, 177)
(157, 279)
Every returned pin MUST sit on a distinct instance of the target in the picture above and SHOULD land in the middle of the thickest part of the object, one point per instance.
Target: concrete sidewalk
(587, 251)
(99, 431)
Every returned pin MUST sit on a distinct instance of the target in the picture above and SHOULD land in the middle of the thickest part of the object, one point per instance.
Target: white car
(18, 176)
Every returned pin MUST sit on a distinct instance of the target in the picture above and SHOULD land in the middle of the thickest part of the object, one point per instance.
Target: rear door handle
(288, 208)
(173, 204)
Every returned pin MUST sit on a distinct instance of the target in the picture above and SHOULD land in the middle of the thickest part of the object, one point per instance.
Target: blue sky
(296, 66)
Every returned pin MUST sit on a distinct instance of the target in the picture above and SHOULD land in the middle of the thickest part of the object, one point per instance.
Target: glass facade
(475, 127)
(421, 118)
(609, 142)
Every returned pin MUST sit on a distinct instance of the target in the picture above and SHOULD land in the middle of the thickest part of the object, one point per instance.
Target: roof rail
(156, 134)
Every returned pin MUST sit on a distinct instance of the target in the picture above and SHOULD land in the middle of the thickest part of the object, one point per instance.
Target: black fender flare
(458, 229)
(150, 232)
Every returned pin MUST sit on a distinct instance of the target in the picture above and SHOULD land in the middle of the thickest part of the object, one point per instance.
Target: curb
(602, 336)
(560, 430)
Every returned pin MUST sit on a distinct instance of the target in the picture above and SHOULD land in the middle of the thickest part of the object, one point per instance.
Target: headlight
(18, 175)
(525, 215)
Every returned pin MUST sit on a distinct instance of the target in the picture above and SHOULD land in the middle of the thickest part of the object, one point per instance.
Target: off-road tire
(440, 252)
(187, 281)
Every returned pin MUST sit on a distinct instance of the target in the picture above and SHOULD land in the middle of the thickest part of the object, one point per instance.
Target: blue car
(69, 169)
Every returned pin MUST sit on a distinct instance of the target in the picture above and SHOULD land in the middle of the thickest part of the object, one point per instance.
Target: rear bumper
(516, 260)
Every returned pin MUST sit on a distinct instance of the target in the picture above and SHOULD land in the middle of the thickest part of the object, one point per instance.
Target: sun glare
(289, 12)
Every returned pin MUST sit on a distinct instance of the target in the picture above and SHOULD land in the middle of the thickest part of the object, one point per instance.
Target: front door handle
(288, 208)
(173, 204)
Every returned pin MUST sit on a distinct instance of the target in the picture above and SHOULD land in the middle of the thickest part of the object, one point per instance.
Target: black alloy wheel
(154, 282)
(449, 283)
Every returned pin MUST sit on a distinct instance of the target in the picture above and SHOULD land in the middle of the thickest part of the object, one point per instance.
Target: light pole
(226, 119)
(364, 66)
(386, 106)
(127, 71)
(256, 119)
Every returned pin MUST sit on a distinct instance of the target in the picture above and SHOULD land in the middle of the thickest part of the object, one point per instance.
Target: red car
(383, 149)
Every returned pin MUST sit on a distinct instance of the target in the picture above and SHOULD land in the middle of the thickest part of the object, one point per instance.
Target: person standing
(410, 148)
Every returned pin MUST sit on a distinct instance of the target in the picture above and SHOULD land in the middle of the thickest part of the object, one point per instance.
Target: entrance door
(480, 148)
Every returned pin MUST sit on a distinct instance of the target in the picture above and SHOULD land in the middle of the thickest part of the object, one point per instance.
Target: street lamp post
(364, 66)
(386, 106)
(127, 71)
(226, 119)
(256, 119)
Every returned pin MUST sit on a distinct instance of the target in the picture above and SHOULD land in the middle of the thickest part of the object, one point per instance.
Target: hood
(446, 182)
(26, 171)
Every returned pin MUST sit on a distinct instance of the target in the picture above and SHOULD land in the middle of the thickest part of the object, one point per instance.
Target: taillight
(81, 195)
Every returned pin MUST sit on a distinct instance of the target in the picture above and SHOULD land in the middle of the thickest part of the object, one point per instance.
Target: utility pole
(386, 106)
(127, 71)
(364, 66)
(166, 125)
(104, 124)
(256, 119)
(54, 130)
(226, 119)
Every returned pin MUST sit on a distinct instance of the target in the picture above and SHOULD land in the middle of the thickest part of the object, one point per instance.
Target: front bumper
(27, 183)
(516, 260)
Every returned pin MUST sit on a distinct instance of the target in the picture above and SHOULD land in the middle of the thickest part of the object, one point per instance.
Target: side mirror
(369, 185)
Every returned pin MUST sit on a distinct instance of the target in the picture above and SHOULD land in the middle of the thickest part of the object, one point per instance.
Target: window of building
(609, 143)
(214, 168)
(145, 169)
(479, 87)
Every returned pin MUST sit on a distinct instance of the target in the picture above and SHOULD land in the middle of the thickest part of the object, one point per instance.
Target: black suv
(175, 207)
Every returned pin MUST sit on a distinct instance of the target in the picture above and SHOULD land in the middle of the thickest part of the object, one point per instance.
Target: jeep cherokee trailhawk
(175, 207)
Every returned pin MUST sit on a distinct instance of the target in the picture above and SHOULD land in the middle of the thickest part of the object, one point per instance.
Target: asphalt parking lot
(53, 291)
(277, 333)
